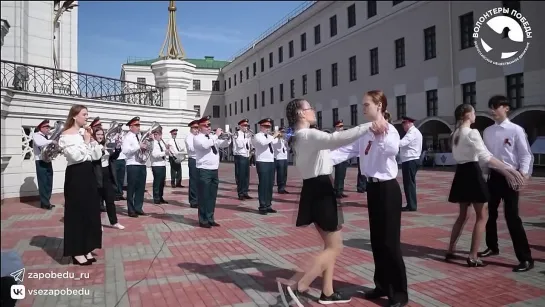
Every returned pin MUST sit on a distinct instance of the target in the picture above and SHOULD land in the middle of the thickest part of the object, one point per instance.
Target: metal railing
(51, 81)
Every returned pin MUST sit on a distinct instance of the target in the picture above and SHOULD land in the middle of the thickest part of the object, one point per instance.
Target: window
(262, 98)
(373, 55)
(235, 79)
(225, 110)
(215, 85)
(280, 54)
(247, 103)
(303, 42)
(429, 43)
(396, 2)
(354, 115)
(229, 82)
(247, 72)
(270, 59)
(515, 90)
(271, 94)
(230, 109)
(353, 68)
(401, 104)
(292, 88)
(224, 85)
(290, 49)
(281, 122)
(255, 68)
(319, 119)
(236, 107)
(141, 83)
(304, 88)
(242, 106)
(334, 75)
(431, 102)
(466, 31)
(469, 93)
(371, 8)
(216, 111)
(400, 52)
(255, 128)
(335, 115)
(240, 76)
(351, 12)
(317, 38)
(255, 101)
(262, 64)
(196, 85)
(198, 109)
(281, 91)
(318, 80)
(513, 6)
(333, 25)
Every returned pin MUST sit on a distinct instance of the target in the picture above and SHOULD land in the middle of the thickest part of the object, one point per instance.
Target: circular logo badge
(502, 36)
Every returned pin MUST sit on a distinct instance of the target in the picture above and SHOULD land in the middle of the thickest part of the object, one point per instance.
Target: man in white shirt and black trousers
(158, 158)
(175, 168)
(44, 170)
(264, 153)
(340, 169)
(136, 170)
(192, 164)
(410, 149)
(241, 151)
(208, 160)
(507, 142)
(281, 151)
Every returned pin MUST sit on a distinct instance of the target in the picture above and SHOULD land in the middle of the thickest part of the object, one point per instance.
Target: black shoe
(373, 294)
(162, 201)
(203, 225)
(338, 196)
(407, 209)
(132, 214)
(142, 213)
(263, 212)
(75, 261)
(271, 210)
(47, 207)
(475, 263)
(194, 206)
(335, 298)
(92, 259)
(361, 191)
(214, 224)
(180, 186)
(241, 198)
(102, 209)
(489, 252)
(449, 256)
(156, 202)
(524, 266)
(396, 304)
(344, 195)
(248, 197)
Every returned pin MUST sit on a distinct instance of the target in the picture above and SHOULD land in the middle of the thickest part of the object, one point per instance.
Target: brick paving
(237, 264)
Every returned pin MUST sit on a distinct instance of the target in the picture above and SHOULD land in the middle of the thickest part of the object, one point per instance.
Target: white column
(5, 29)
(174, 76)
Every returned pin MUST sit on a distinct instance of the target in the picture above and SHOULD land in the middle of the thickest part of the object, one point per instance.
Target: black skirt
(468, 185)
(82, 224)
(318, 204)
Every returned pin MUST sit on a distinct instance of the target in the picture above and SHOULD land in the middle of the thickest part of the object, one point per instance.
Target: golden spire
(172, 47)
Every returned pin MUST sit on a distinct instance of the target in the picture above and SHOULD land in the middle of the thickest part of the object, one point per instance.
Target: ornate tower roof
(172, 47)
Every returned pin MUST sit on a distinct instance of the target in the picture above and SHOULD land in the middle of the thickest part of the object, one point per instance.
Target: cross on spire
(172, 47)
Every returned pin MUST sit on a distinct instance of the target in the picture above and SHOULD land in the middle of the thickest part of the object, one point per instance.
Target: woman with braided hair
(318, 204)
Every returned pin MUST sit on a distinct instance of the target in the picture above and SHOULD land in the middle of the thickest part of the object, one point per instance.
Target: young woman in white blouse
(468, 186)
(318, 204)
(82, 226)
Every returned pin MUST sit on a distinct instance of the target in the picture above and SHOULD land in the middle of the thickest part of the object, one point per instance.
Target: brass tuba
(143, 155)
(114, 136)
(52, 150)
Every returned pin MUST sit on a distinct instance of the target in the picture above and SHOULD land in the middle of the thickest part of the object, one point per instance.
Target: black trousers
(44, 172)
(499, 190)
(120, 168)
(175, 173)
(265, 175)
(136, 187)
(281, 167)
(193, 181)
(252, 159)
(242, 174)
(384, 206)
(361, 184)
(208, 192)
(340, 175)
(107, 195)
(6, 300)
(159, 177)
(409, 170)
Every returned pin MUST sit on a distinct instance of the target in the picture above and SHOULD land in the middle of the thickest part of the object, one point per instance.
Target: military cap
(407, 119)
(204, 120)
(243, 121)
(133, 121)
(174, 130)
(194, 124)
(44, 123)
(265, 122)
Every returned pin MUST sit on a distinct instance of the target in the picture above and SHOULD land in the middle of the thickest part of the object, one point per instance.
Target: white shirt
(312, 148)
(130, 147)
(377, 154)
(175, 146)
(508, 143)
(121, 154)
(76, 151)
(470, 147)
(206, 159)
(158, 154)
(410, 146)
(242, 144)
(39, 141)
(281, 149)
(261, 143)
(105, 159)
(189, 146)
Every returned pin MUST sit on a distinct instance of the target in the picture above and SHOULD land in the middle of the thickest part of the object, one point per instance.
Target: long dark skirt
(82, 225)
(318, 205)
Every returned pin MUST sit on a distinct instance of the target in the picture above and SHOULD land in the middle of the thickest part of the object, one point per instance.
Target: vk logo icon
(18, 292)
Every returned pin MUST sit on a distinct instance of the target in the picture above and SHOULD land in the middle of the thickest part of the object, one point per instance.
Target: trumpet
(226, 135)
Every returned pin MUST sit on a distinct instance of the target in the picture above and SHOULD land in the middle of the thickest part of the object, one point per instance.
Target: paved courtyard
(164, 260)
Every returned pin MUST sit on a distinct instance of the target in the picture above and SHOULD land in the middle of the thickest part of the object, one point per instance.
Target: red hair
(378, 97)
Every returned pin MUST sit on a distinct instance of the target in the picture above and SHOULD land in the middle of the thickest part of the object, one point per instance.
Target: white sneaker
(102, 227)
(118, 226)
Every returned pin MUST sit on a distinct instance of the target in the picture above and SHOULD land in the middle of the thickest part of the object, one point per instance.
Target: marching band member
(264, 153)
(378, 163)
(206, 150)
(44, 170)
(120, 166)
(318, 204)
(105, 177)
(410, 150)
(241, 151)
(192, 164)
(340, 169)
(508, 142)
(175, 168)
(82, 225)
(281, 151)
(158, 166)
(136, 170)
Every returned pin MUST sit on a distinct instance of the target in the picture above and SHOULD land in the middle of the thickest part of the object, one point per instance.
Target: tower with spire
(172, 47)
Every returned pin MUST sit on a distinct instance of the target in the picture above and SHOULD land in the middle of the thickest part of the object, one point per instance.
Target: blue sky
(111, 31)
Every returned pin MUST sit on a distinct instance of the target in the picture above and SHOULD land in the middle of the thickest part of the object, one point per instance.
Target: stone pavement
(164, 260)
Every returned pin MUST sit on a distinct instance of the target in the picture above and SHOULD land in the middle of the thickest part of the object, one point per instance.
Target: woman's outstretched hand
(515, 179)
